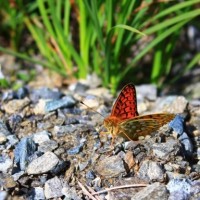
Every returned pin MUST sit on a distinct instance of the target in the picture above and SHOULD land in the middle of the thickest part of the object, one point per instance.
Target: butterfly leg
(113, 140)
(136, 142)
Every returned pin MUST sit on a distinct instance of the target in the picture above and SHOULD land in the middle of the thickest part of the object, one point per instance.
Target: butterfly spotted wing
(125, 106)
(143, 125)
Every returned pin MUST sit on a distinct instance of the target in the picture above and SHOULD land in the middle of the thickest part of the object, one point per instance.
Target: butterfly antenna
(91, 108)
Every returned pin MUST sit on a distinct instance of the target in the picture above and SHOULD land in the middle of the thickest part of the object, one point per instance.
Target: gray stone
(53, 188)
(178, 126)
(65, 102)
(171, 104)
(70, 193)
(174, 175)
(167, 149)
(20, 93)
(147, 91)
(110, 167)
(76, 149)
(187, 144)
(3, 195)
(3, 138)
(5, 163)
(49, 145)
(41, 137)
(24, 149)
(179, 188)
(156, 191)
(45, 93)
(193, 90)
(12, 140)
(36, 193)
(78, 87)
(63, 130)
(16, 105)
(150, 170)
(7, 181)
(17, 175)
(43, 164)
(3, 132)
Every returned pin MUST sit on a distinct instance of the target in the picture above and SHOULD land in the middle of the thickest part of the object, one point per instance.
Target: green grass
(77, 38)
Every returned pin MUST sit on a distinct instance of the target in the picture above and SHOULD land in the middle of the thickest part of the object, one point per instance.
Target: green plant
(107, 37)
(12, 24)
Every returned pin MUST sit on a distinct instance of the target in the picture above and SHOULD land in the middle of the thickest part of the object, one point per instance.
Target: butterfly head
(111, 123)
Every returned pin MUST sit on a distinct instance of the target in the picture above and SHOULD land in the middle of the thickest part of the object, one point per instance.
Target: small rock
(148, 91)
(53, 188)
(110, 167)
(17, 175)
(7, 181)
(3, 129)
(171, 104)
(21, 93)
(187, 144)
(179, 188)
(150, 170)
(129, 160)
(177, 125)
(60, 167)
(12, 140)
(49, 145)
(43, 164)
(155, 191)
(90, 175)
(167, 149)
(83, 165)
(41, 137)
(75, 150)
(5, 163)
(59, 151)
(195, 190)
(78, 87)
(3, 195)
(174, 175)
(3, 132)
(63, 130)
(39, 108)
(70, 193)
(100, 92)
(3, 138)
(91, 101)
(14, 121)
(45, 93)
(36, 193)
(16, 105)
(93, 80)
(65, 102)
(24, 149)
(193, 90)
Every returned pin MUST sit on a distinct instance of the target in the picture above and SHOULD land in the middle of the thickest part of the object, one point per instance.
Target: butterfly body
(124, 119)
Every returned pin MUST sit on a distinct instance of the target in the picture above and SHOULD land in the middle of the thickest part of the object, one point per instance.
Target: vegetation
(110, 38)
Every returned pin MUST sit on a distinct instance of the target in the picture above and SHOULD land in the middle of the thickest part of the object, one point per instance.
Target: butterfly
(125, 121)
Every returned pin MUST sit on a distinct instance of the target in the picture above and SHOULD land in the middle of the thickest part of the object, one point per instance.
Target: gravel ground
(51, 147)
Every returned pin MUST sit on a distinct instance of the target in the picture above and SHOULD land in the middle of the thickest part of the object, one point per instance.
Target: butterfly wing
(125, 106)
(143, 125)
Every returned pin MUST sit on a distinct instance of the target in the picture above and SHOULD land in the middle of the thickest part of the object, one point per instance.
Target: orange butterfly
(125, 121)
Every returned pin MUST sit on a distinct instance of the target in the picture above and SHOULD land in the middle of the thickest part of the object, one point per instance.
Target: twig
(92, 191)
(86, 192)
(120, 187)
